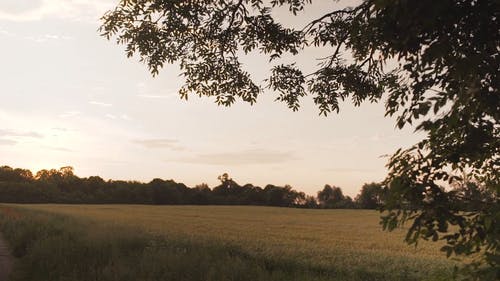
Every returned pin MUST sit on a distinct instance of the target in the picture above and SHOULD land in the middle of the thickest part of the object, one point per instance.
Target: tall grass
(60, 247)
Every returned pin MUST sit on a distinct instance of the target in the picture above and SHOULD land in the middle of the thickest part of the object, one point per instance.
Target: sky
(69, 97)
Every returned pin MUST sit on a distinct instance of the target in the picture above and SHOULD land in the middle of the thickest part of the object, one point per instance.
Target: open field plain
(325, 244)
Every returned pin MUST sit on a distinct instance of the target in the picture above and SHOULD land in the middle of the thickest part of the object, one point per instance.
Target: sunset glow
(71, 98)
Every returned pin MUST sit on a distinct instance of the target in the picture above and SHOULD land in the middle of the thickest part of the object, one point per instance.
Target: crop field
(326, 244)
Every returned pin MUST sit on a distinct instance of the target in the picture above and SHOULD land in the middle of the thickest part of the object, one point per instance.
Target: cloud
(98, 103)
(19, 7)
(350, 170)
(110, 116)
(7, 142)
(144, 92)
(60, 129)
(35, 10)
(246, 157)
(11, 133)
(59, 148)
(35, 38)
(125, 117)
(115, 117)
(69, 114)
(47, 37)
(5, 32)
(160, 143)
(16, 135)
(146, 96)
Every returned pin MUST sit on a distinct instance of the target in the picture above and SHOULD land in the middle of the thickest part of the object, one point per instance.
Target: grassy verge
(57, 247)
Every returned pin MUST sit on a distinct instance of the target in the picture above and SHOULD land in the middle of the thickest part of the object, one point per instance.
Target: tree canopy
(332, 197)
(435, 65)
(371, 196)
(63, 186)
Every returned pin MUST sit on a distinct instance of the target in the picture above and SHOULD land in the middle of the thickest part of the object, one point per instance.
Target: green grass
(212, 243)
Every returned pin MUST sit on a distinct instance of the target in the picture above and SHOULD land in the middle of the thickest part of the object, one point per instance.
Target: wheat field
(347, 239)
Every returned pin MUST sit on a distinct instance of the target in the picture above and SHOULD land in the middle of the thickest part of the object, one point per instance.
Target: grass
(219, 243)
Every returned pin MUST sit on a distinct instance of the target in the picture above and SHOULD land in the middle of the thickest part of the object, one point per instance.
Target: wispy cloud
(7, 142)
(116, 117)
(5, 32)
(12, 133)
(34, 10)
(143, 91)
(246, 157)
(19, 7)
(147, 96)
(160, 144)
(71, 113)
(349, 170)
(38, 38)
(59, 148)
(60, 129)
(125, 117)
(47, 37)
(98, 103)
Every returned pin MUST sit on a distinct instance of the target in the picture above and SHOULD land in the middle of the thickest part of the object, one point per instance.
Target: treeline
(63, 186)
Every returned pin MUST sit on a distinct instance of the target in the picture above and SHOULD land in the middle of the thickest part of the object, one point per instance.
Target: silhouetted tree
(471, 196)
(165, 192)
(9, 174)
(331, 197)
(63, 186)
(310, 202)
(225, 180)
(280, 196)
(200, 194)
(370, 196)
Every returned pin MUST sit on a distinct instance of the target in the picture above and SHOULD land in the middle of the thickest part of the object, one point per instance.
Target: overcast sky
(69, 97)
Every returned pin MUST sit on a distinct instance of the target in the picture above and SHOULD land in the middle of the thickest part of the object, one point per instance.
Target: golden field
(323, 238)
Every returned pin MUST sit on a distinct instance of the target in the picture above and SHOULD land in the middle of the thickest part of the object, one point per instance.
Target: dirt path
(5, 260)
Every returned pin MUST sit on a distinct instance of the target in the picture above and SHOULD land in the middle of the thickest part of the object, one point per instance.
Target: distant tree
(252, 195)
(347, 203)
(201, 194)
(331, 197)
(228, 190)
(165, 192)
(63, 186)
(225, 180)
(370, 196)
(95, 182)
(67, 171)
(301, 200)
(67, 180)
(310, 202)
(51, 175)
(202, 186)
(280, 196)
(9, 174)
(471, 196)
